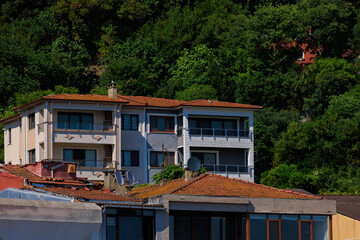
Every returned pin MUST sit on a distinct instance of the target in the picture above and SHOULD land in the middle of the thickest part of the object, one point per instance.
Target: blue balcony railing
(217, 132)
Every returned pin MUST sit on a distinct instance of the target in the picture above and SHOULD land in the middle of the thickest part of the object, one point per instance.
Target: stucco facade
(138, 134)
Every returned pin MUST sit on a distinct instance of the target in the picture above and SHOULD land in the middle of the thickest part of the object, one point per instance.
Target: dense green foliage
(243, 51)
(169, 173)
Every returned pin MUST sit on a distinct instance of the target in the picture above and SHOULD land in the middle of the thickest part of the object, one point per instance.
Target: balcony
(218, 137)
(233, 171)
(87, 164)
(97, 133)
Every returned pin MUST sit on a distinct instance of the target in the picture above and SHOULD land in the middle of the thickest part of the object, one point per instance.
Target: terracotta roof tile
(99, 195)
(215, 185)
(20, 171)
(75, 97)
(151, 101)
(211, 103)
(9, 180)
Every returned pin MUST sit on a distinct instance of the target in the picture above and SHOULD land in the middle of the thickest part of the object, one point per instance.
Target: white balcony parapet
(229, 170)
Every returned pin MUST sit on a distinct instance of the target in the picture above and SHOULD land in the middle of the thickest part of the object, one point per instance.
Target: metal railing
(216, 132)
(227, 168)
(88, 164)
(66, 126)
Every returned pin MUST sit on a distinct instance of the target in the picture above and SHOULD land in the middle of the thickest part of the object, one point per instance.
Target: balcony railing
(65, 126)
(216, 132)
(89, 164)
(227, 168)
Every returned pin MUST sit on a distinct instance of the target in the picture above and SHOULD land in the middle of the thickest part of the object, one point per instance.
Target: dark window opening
(74, 120)
(130, 158)
(129, 122)
(161, 124)
(32, 155)
(31, 121)
(161, 159)
(84, 157)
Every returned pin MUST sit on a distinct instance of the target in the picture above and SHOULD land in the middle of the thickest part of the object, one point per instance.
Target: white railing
(221, 168)
(215, 132)
(69, 126)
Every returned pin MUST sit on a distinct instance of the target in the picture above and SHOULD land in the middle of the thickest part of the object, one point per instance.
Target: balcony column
(45, 126)
(186, 137)
(117, 143)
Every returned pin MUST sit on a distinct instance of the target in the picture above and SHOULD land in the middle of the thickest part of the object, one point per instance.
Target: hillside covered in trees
(307, 136)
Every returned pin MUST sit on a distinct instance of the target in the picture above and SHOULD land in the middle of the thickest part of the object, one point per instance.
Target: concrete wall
(344, 227)
(12, 150)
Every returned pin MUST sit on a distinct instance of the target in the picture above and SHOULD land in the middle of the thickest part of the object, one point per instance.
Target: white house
(136, 133)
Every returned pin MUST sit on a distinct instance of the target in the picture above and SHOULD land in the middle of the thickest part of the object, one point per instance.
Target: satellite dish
(194, 164)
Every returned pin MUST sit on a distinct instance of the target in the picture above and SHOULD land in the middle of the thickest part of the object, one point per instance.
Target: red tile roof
(90, 194)
(21, 171)
(11, 118)
(211, 103)
(9, 180)
(209, 184)
(75, 97)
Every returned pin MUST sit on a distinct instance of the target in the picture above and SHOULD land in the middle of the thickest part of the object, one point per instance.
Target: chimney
(112, 90)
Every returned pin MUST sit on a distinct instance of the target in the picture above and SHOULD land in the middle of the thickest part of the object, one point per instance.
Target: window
(161, 124)
(9, 136)
(84, 157)
(130, 224)
(130, 158)
(215, 226)
(129, 122)
(207, 126)
(31, 121)
(161, 159)
(299, 227)
(75, 121)
(205, 157)
(32, 155)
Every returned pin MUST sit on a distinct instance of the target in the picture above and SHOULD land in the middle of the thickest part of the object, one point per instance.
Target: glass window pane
(305, 230)
(170, 124)
(134, 122)
(274, 230)
(161, 160)
(111, 228)
(209, 158)
(126, 122)
(258, 226)
(215, 228)
(171, 226)
(305, 217)
(192, 123)
(90, 157)
(201, 228)
(229, 124)
(74, 121)
(134, 158)
(182, 227)
(216, 124)
(289, 227)
(153, 159)
(86, 121)
(161, 124)
(273, 216)
(63, 119)
(68, 155)
(170, 158)
(320, 227)
(127, 158)
(130, 228)
(153, 124)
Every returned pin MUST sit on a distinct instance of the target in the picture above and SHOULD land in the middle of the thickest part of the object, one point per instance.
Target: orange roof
(210, 103)
(9, 180)
(75, 97)
(20, 171)
(90, 194)
(209, 184)
(11, 118)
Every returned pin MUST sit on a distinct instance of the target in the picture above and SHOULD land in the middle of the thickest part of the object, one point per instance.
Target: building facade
(134, 133)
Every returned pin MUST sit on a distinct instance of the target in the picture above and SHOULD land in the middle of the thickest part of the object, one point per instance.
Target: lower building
(207, 206)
